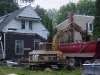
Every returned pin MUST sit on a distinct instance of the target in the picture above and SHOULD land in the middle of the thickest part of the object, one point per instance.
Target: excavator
(49, 56)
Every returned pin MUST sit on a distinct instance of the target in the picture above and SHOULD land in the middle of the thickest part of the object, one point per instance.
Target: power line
(59, 2)
(54, 2)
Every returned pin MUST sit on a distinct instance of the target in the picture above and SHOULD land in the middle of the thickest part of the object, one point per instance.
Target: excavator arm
(79, 29)
(66, 30)
(56, 38)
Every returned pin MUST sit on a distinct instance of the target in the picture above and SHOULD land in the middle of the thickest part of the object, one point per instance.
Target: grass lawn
(28, 72)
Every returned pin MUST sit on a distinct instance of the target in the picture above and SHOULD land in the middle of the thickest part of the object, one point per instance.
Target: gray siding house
(84, 21)
(21, 31)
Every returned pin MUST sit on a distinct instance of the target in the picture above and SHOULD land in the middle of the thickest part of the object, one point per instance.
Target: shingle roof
(10, 17)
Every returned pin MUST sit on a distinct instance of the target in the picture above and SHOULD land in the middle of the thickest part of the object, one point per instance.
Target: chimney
(70, 20)
(70, 17)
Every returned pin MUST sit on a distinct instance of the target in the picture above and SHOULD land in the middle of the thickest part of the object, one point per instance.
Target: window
(23, 24)
(19, 47)
(90, 27)
(30, 25)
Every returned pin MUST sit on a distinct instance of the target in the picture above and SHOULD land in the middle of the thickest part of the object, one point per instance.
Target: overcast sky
(49, 4)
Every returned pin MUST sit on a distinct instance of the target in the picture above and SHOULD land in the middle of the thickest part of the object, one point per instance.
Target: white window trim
(89, 27)
(22, 48)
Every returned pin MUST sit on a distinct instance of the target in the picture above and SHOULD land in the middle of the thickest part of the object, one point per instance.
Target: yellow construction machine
(50, 56)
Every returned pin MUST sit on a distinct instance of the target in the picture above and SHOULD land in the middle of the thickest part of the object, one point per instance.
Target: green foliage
(96, 23)
(63, 12)
(50, 28)
(7, 6)
(68, 39)
(54, 31)
(82, 7)
(27, 1)
(40, 11)
(52, 14)
(86, 7)
(46, 21)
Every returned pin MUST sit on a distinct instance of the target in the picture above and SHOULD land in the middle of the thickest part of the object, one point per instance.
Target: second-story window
(90, 27)
(30, 25)
(23, 24)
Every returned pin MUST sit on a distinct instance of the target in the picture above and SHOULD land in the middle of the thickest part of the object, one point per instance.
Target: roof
(62, 25)
(32, 13)
(9, 18)
(16, 14)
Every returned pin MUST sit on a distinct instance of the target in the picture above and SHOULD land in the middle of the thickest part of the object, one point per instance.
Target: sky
(49, 4)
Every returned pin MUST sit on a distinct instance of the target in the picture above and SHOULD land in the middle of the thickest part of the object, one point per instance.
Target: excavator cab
(44, 46)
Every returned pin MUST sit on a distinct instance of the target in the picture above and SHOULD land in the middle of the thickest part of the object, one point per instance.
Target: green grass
(28, 72)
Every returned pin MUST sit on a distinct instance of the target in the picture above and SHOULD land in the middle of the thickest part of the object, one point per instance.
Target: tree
(86, 7)
(27, 1)
(96, 23)
(41, 12)
(52, 14)
(7, 6)
(82, 7)
(46, 20)
(54, 31)
(50, 28)
(63, 12)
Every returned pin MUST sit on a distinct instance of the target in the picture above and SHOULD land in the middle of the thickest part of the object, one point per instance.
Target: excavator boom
(66, 30)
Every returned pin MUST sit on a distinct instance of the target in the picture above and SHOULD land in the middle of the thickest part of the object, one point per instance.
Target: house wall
(30, 37)
(37, 28)
(82, 21)
(28, 44)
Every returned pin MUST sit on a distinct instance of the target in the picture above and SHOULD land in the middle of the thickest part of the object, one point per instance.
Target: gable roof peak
(29, 12)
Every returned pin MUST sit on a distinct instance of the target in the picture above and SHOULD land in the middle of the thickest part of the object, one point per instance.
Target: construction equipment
(42, 59)
(52, 56)
(66, 30)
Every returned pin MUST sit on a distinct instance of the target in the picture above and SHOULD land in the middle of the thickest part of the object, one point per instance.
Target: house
(21, 31)
(84, 21)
